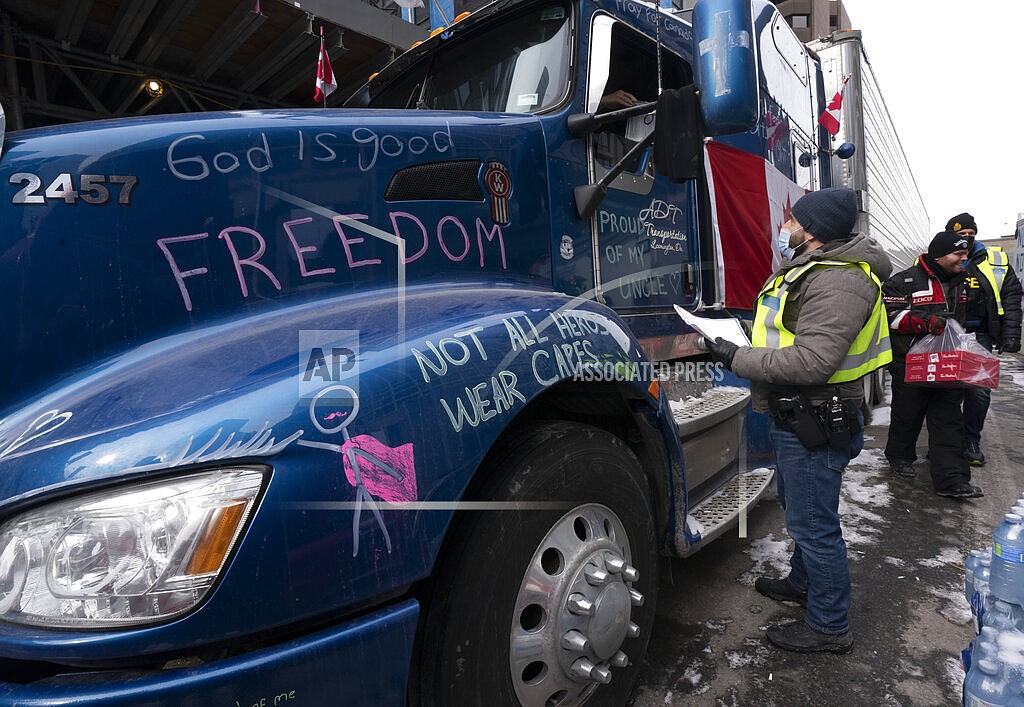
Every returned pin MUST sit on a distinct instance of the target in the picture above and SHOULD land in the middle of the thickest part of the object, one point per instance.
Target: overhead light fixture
(340, 44)
(154, 87)
(309, 24)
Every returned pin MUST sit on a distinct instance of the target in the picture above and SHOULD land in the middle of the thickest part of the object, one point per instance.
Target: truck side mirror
(678, 139)
(726, 65)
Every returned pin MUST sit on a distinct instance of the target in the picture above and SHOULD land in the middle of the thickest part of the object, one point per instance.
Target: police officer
(819, 327)
(920, 300)
(993, 316)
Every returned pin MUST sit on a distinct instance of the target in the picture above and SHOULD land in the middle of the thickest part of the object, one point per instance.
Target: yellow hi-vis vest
(868, 352)
(994, 268)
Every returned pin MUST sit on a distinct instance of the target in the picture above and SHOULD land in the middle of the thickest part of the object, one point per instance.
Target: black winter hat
(827, 214)
(946, 242)
(960, 222)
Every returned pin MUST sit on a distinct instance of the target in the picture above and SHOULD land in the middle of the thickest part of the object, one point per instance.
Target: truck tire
(551, 602)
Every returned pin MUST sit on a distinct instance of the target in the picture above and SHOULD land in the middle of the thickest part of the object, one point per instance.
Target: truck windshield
(520, 65)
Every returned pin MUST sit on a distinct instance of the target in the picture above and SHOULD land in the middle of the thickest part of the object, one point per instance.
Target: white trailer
(890, 204)
(891, 208)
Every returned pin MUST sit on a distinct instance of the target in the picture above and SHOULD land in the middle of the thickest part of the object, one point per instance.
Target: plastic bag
(954, 359)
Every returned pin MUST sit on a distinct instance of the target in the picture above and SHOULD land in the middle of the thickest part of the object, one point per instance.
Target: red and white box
(953, 369)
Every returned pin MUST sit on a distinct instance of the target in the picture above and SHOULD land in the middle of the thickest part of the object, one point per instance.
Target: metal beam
(181, 100)
(121, 109)
(366, 19)
(130, 18)
(238, 27)
(55, 111)
(71, 19)
(150, 103)
(174, 13)
(93, 101)
(16, 118)
(185, 82)
(358, 76)
(301, 71)
(281, 51)
(38, 71)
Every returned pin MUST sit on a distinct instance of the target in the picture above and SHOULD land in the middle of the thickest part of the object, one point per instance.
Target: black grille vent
(453, 180)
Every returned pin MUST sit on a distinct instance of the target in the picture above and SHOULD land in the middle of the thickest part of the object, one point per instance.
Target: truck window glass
(518, 66)
(633, 67)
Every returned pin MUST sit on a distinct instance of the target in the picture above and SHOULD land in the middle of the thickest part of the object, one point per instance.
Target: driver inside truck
(632, 79)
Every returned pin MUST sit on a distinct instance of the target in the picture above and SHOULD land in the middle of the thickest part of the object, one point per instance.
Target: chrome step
(720, 511)
(694, 414)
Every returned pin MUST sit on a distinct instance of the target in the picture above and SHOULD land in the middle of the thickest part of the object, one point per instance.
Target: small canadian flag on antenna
(325, 81)
(829, 118)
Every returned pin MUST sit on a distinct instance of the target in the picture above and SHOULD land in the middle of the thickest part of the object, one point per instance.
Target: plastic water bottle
(1000, 615)
(1011, 658)
(982, 576)
(969, 566)
(984, 647)
(1007, 571)
(985, 686)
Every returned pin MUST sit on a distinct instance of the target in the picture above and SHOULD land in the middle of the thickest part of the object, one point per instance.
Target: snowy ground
(907, 548)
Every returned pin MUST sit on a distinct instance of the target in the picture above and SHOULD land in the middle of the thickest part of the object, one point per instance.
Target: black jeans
(911, 406)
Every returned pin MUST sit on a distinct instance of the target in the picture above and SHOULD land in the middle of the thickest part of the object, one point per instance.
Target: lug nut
(595, 575)
(636, 597)
(601, 674)
(619, 660)
(587, 670)
(630, 573)
(575, 641)
(579, 605)
(632, 630)
(614, 563)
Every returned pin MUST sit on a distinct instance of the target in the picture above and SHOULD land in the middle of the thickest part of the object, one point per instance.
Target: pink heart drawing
(377, 481)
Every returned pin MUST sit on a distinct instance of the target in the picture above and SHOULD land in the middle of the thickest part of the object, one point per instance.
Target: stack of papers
(728, 328)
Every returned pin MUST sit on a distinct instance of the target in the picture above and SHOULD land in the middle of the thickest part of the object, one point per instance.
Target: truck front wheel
(548, 597)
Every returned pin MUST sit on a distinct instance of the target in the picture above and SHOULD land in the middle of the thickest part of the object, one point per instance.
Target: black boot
(974, 455)
(801, 638)
(779, 590)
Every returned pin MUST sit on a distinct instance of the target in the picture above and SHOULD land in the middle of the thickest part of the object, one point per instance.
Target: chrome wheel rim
(573, 610)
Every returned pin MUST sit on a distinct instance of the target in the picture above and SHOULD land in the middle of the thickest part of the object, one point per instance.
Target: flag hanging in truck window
(750, 200)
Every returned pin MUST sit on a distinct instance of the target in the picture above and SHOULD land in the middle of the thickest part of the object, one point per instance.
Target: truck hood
(120, 234)
(239, 390)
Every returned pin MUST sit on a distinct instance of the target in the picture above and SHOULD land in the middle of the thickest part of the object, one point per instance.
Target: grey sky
(952, 74)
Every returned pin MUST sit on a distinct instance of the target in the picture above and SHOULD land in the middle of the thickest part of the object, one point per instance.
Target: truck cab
(389, 403)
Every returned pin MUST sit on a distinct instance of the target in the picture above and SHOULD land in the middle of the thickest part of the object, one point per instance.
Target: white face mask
(784, 248)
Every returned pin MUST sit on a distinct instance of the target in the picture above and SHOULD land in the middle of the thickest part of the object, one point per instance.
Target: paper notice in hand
(728, 328)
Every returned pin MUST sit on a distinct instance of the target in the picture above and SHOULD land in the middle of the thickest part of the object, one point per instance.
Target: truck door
(644, 232)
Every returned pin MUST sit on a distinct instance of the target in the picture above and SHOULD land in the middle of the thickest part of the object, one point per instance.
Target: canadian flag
(829, 118)
(325, 81)
(776, 130)
(750, 200)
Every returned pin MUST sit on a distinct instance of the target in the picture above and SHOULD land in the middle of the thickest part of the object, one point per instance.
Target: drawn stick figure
(329, 398)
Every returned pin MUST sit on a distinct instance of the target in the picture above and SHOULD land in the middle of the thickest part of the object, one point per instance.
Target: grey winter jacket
(825, 310)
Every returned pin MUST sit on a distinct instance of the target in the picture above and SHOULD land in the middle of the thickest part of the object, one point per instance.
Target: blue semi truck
(389, 404)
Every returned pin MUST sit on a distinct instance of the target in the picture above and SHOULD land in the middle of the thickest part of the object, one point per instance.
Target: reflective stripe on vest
(869, 351)
(994, 268)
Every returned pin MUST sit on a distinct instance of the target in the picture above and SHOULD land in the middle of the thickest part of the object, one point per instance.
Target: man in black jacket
(919, 300)
(993, 316)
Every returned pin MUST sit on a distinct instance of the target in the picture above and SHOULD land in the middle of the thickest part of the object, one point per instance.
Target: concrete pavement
(910, 620)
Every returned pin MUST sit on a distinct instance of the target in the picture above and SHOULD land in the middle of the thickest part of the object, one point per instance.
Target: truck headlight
(123, 556)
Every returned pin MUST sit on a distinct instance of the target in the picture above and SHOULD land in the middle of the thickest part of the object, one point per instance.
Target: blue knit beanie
(827, 214)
